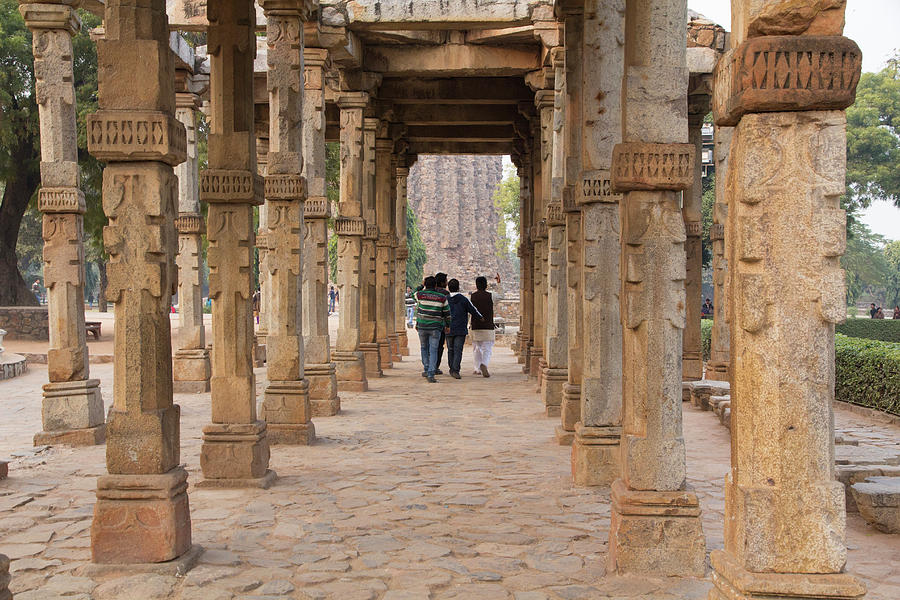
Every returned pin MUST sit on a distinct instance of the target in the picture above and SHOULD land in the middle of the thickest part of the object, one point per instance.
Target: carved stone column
(401, 256)
(190, 364)
(235, 449)
(526, 261)
(544, 100)
(596, 455)
(655, 522)
(285, 406)
(72, 408)
(318, 367)
(720, 343)
(142, 513)
(784, 510)
(556, 342)
(395, 283)
(692, 204)
(368, 334)
(350, 228)
(570, 411)
(384, 249)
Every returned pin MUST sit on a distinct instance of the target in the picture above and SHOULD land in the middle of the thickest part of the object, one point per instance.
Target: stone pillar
(318, 367)
(570, 411)
(368, 334)
(235, 451)
(544, 100)
(142, 513)
(4, 578)
(384, 249)
(720, 342)
(285, 405)
(596, 455)
(394, 289)
(556, 342)
(692, 205)
(784, 510)
(401, 256)
(526, 265)
(655, 522)
(72, 408)
(350, 228)
(190, 364)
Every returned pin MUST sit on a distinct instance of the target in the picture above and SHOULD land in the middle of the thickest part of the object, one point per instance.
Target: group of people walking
(441, 316)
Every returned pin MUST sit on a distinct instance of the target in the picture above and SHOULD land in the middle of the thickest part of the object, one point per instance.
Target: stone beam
(449, 114)
(458, 60)
(464, 133)
(468, 90)
(190, 15)
(505, 35)
(430, 14)
(456, 147)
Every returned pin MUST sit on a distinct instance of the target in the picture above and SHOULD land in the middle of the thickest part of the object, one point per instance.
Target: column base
(552, 383)
(596, 455)
(656, 532)
(385, 354)
(233, 453)
(323, 390)
(4, 578)
(570, 410)
(564, 437)
(536, 355)
(394, 339)
(691, 368)
(372, 354)
(286, 411)
(717, 371)
(526, 358)
(733, 582)
(141, 518)
(541, 367)
(403, 343)
(177, 567)
(259, 350)
(72, 414)
(350, 370)
(262, 483)
(191, 371)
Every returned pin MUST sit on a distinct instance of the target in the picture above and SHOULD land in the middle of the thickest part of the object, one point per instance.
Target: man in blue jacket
(460, 309)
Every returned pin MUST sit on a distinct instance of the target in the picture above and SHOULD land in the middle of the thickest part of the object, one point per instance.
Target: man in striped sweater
(432, 319)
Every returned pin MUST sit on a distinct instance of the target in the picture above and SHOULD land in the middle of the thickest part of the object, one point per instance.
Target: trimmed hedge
(886, 330)
(867, 372)
(706, 336)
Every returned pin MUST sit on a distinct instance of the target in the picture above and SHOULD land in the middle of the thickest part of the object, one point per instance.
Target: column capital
(351, 100)
(350, 226)
(190, 223)
(544, 99)
(188, 100)
(61, 200)
(558, 56)
(815, 72)
(402, 172)
(370, 123)
(234, 185)
(649, 166)
(555, 215)
(316, 208)
(384, 145)
(285, 187)
(300, 8)
(133, 135)
(59, 14)
(693, 228)
(315, 57)
(596, 186)
(717, 232)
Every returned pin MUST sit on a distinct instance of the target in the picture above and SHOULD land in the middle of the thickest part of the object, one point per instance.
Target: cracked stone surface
(415, 491)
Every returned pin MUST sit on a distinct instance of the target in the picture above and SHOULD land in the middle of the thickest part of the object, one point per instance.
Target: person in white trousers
(482, 329)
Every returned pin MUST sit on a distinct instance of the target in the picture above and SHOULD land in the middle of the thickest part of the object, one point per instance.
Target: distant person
(707, 309)
(872, 310)
(36, 290)
(410, 307)
(331, 296)
(91, 300)
(483, 328)
(440, 286)
(432, 319)
(879, 314)
(896, 312)
(256, 301)
(460, 309)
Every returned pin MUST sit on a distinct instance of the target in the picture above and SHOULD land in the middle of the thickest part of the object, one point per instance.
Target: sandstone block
(136, 135)
(143, 442)
(878, 500)
(235, 451)
(649, 166)
(703, 389)
(72, 405)
(596, 455)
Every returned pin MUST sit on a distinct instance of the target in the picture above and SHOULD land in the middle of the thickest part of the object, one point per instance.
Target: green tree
(864, 262)
(506, 201)
(892, 276)
(333, 193)
(708, 203)
(415, 264)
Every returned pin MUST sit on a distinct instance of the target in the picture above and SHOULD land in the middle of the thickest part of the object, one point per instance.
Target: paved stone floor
(454, 490)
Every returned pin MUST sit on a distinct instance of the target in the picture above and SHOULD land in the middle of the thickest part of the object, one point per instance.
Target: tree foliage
(506, 201)
(706, 218)
(864, 262)
(892, 276)
(415, 264)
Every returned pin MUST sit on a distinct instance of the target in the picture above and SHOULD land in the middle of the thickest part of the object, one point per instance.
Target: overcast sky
(875, 26)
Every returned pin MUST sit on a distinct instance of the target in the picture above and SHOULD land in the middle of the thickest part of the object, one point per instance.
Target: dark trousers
(455, 345)
(440, 354)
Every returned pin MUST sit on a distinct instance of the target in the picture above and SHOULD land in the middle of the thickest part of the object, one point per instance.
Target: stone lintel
(231, 185)
(693, 228)
(786, 73)
(190, 223)
(555, 215)
(355, 226)
(126, 135)
(649, 166)
(717, 232)
(596, 186)
(61, 200)
(285, 187)
(731, 580)
(51, 15)
(316, 207)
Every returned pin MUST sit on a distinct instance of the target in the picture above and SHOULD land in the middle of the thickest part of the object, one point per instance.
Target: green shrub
(886, 330)
(867, 373)
(706, 336)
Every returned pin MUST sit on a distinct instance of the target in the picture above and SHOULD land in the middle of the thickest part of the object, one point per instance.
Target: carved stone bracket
(717, 232)
(285, 187)
(316, 208)
(187, 223)
(350, 226)
(40, 15)
(61, 200)
(555, 215)
(371, 232)
(648, 166)
(693, 228)
(786, 73)
(596, 186)
(222, 185)
(136, 136)
(262, 241)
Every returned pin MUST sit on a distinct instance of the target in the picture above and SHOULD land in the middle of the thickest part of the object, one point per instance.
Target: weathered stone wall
(452, 197)
(25, 322)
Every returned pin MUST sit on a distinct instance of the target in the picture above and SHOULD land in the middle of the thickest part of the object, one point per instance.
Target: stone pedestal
(595, 455)
(350, 370)
(191, 369)
(236, 455)
(656, 532)
(72, 414)
(286, 410)
(323, 389)
(570, 413)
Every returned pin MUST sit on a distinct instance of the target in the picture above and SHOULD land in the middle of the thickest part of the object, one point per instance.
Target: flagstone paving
(415, 491)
